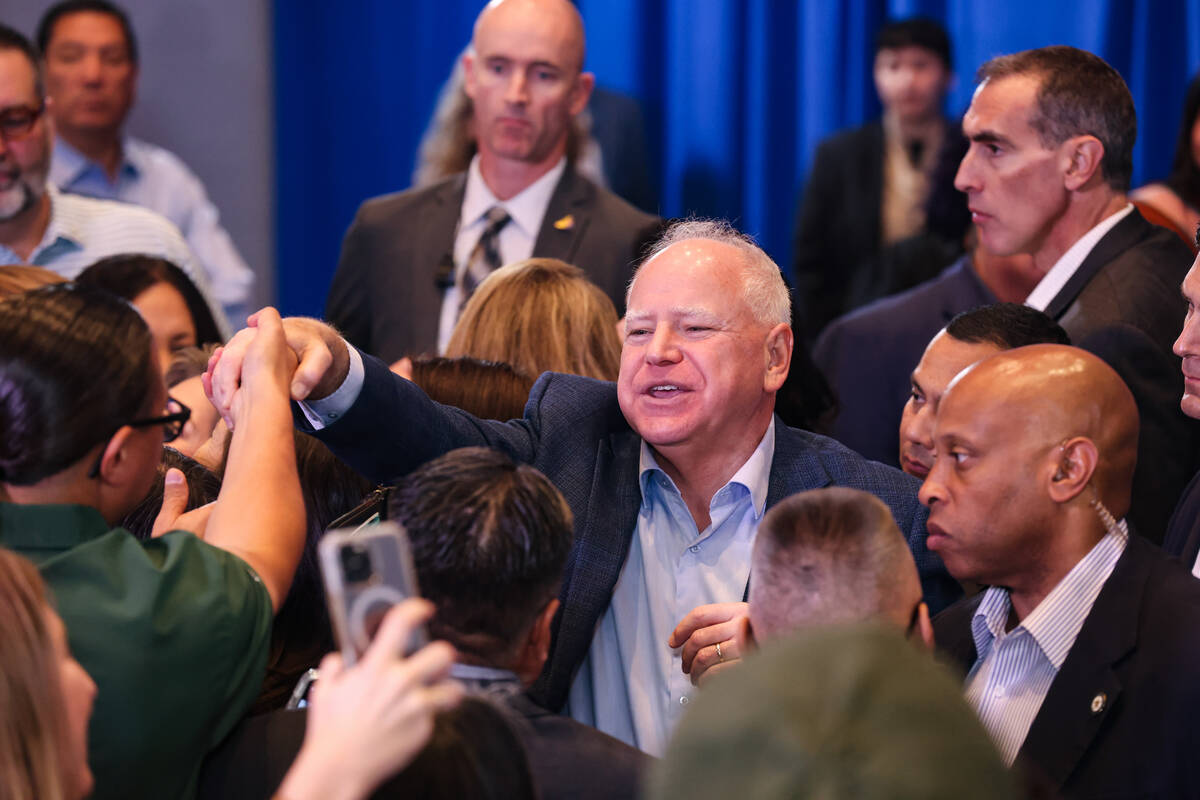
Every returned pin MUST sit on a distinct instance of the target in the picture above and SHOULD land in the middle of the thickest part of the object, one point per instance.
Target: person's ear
(779, 356)
(468, 63)
(1084, 155)
(536, 649)
(744, 637)
(923, 632)
(582, 92)
(1073, 463)
(114, 460)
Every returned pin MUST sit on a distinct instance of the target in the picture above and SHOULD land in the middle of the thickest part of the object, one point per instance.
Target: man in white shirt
(91, 64)
(1051, 153)
(1081, 654)
(410, 260)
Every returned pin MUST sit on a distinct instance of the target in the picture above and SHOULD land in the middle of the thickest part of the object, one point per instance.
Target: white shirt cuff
(328, 410)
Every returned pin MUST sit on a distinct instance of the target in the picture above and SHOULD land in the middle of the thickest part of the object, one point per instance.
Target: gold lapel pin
(564, 223)
(1098, 702)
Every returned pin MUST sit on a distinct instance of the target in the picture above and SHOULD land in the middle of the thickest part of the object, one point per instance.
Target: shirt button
(999, 693)
(683, 701)
(695, 548)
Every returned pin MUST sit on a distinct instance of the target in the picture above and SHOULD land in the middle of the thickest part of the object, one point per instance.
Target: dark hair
(45, 29)
(475, 752)
(1184, 179)
(922, 32)
(12, 39)
(1006, 325)
(128, 275)
(489, 539)
(188, 362)
(74, 367)
(486, 389)
(18, 278)
(202, 483)
(806, 400)
(1078, 93)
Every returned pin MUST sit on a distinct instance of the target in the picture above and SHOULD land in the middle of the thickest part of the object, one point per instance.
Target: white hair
(763, 289)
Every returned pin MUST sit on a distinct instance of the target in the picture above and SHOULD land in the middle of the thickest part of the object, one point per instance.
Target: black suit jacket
(568, 760)
(1123, 304)
(868, 356)
(574, 432)
(398, 255)
(1183, 531)
(839, 261)
(1139, 649)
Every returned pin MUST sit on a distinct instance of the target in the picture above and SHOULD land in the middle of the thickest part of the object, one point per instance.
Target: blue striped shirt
(83, 230)
(1014, 669)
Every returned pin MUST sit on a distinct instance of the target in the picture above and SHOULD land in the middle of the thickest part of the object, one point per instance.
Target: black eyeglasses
(173, 421)
(17, 122)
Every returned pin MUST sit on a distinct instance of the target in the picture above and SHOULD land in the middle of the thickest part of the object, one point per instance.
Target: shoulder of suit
(574, 400)
(386, 206)
(607, 204)
(844, 466)
(852, 141)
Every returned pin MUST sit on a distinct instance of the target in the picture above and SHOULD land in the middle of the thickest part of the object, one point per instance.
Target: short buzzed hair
(45, 30)
(763, 288)
(1079, 93)
(825, 556)
(1006, 325)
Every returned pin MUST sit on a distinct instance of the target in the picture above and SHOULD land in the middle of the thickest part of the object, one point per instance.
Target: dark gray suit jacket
(398, 256)
(1123, 304)
(574, 432)
(869, 354)
(1139, 648)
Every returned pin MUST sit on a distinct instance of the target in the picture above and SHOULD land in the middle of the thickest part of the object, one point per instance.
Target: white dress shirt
(1069, 262)
(516, 239)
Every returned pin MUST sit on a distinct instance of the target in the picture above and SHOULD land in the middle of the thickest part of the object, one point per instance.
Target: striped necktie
(485, 257)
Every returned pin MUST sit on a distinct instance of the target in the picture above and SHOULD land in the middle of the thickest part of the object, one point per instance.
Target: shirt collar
(754, 475)
(63, 225)
(74, 163)
(1054, 280)
(1057, 620)
(49, 527)
(527, 207)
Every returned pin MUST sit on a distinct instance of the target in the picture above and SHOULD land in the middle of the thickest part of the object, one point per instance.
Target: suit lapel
(803, 469)
(1124, 235)
(437, 229)
(1087, 688)
(598, 555)
(567, 217)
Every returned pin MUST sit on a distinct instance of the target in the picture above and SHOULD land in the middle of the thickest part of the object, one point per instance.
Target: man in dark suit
(410, 260)
(1082, 652)
(1183, 532)
(869, 187)
(666, 473)
(490, 539)
(868, 354)
(1050, 158)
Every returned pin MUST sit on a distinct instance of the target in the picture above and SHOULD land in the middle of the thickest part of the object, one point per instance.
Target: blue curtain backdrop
(736, 95)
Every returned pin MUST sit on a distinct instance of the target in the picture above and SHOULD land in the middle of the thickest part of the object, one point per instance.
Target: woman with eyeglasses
(173, 630)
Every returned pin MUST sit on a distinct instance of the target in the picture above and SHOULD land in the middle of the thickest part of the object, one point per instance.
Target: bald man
(410, 260)
(1081, 653)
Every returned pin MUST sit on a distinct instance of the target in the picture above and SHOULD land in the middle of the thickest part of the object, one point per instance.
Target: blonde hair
(20, 278)
(33, 725)
(540, 315)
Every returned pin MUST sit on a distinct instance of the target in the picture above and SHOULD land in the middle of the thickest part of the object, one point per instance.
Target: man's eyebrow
(988, 137)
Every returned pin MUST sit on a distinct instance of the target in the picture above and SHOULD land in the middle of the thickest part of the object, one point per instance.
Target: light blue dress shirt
(1014, 669)
(157, 179)
(631, 685)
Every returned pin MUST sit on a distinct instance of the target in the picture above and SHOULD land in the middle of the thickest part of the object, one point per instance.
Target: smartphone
(366, 570)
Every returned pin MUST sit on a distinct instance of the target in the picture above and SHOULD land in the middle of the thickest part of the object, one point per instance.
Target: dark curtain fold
(736, 94)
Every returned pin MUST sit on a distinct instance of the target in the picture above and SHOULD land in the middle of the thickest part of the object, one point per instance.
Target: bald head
(558, 19)
(1058, 393)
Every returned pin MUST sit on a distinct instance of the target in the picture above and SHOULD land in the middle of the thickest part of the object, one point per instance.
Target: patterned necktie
(485, 257)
